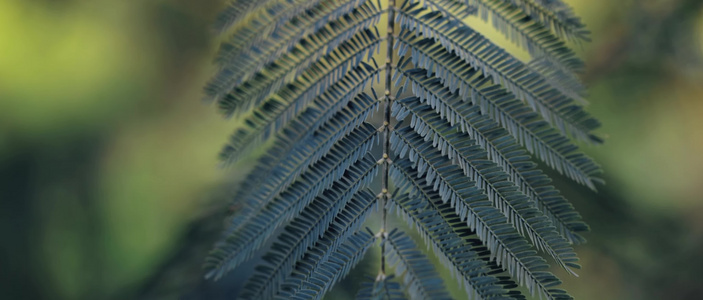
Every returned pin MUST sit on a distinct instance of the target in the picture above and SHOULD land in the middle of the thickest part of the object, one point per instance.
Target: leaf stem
(387, 128)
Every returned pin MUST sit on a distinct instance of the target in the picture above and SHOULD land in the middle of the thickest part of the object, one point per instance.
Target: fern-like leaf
(240, 246)
(439, 226)
(519, 211)
(543, 46)
(303, 232)
(383, 288)
(307, 154)
(510, 250)
(314, 276)
(276, 113)
(448, 8)
(462, 259)
(346, 37)
(521, 170)
(340, 117)
(436, 221)
(419, 275)
(553, 14)
(264, 12)
(455, 163)
(479, 52)
(235, 11)
(553, 148)
(264, 17)
(239, 65)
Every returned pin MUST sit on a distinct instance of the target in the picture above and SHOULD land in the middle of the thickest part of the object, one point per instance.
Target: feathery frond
(507, 247)
(516, 207)
(381, 289)
(553, 14)
(308, 154)
(235, 11)
(303, 61)
(247, 57)
(455, 162)
(520, 169)
(348, 115)
(438, 223)
(551, 56)
(419, 275)
(479, 52)
(303, 232)
(553, 148)
(240, 246)
(316, 276)
(275, 113)
(461, 258)
(519, 28)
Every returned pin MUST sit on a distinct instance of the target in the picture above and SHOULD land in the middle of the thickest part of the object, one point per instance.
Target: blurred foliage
(108, 178)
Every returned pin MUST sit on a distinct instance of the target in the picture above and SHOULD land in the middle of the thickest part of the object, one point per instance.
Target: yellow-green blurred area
(109, 186)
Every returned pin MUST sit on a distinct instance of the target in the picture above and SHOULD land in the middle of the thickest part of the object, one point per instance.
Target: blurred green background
(108, 156)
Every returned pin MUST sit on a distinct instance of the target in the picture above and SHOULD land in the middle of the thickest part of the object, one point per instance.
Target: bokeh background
(108, 181)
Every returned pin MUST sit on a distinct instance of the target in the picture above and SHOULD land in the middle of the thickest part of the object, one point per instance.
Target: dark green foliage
(467, 117)
(502, 193)
(382, 289)
(325, 265)
(420, 277)
(435, 32)
(521, 170)
(525, 126)
(303, 232)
